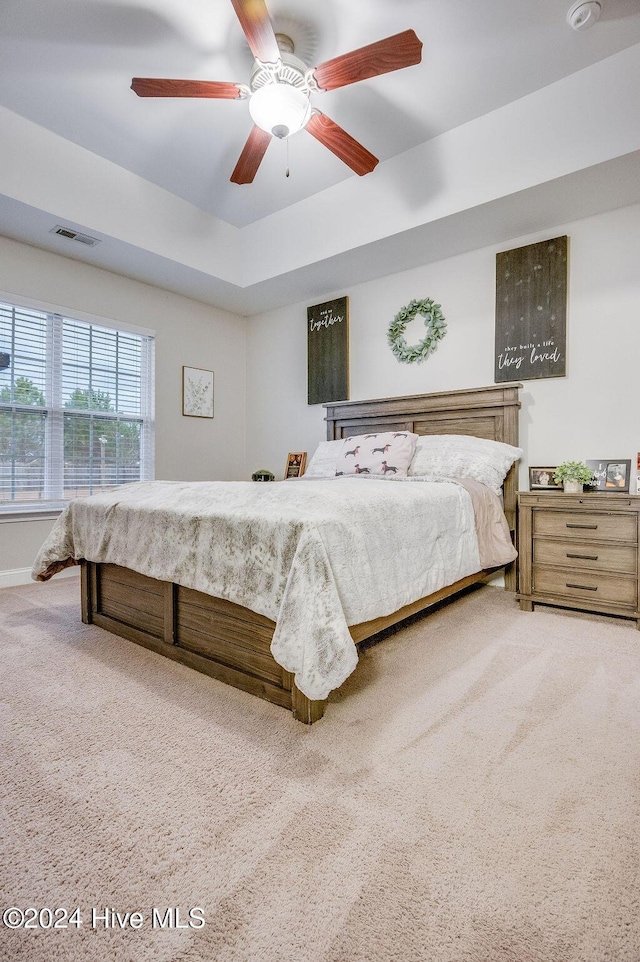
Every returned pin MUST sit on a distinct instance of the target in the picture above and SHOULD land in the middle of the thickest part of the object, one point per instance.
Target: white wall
(187, 332)
(590, 413)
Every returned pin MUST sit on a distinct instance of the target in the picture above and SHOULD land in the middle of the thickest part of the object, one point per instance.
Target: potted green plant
(573, 475)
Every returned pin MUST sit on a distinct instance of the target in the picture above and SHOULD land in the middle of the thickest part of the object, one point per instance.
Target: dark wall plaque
(531, 311)
(328, 351)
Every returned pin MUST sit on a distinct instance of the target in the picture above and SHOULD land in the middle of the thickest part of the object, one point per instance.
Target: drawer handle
(573, 524)
(583, 557)
(582, 587)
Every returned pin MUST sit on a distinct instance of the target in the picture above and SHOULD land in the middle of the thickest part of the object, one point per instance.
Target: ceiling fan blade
(342, 144)
(401, 50)
(151, 87)
(254, 20)
(251, 156)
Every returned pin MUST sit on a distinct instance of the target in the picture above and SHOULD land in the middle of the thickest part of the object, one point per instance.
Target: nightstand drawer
(586, 525)
(586, 587)
(576, 554)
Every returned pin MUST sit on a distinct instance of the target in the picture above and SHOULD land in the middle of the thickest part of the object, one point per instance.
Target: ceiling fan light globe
(279, 107)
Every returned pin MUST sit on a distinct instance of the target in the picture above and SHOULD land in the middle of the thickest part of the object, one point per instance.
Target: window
(76, 408)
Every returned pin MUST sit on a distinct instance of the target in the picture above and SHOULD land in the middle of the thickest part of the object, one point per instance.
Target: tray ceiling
(66, 67)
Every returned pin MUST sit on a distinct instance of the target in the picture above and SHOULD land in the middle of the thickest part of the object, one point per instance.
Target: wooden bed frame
(232, 643)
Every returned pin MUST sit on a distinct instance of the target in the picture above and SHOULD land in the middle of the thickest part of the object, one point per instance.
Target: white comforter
(314, 556)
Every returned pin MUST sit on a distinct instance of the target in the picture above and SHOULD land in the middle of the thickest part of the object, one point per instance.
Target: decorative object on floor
(263, 475)
(541, 479)
(328, 351)
(296, 463)
(434, 322)
(531, 311)
(611, 475)
(573, 475)
(280, 87)
(197, 393)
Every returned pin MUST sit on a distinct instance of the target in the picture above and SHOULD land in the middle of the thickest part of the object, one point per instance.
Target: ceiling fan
(280, 87)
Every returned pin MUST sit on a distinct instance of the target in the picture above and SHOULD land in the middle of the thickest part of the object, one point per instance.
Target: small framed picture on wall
(197, 393)
(296, 464)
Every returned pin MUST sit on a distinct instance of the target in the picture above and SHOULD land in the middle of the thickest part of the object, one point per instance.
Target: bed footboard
(221, 639)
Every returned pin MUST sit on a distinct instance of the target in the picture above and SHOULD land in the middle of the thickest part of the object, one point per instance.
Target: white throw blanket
(313, 556)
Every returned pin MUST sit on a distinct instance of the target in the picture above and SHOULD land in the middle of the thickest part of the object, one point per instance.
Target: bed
(233, 642)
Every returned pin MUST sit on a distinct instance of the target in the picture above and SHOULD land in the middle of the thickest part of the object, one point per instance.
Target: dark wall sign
(531, 311)
(328, 351)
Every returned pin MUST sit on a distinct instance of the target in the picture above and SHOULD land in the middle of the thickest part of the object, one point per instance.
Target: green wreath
(433, 321)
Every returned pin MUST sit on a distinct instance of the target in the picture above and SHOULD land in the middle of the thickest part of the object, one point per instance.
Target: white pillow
(379, 455)
(462, 456)
(323, 462)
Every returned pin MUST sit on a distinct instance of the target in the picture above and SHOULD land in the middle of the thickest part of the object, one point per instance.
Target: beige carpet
(471, 795)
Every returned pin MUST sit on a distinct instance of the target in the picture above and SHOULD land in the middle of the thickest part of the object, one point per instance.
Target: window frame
(51, 506)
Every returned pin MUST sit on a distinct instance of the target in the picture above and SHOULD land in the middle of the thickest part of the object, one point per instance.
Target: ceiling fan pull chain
(286, 173)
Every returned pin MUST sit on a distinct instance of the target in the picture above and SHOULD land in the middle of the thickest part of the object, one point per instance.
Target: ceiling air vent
(74, 235)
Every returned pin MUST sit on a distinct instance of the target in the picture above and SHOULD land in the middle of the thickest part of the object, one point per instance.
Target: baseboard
(22, 576)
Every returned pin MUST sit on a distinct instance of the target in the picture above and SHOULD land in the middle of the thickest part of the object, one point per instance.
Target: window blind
(76, 408)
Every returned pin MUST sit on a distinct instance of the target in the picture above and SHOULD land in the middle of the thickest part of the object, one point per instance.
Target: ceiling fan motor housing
(288, 70)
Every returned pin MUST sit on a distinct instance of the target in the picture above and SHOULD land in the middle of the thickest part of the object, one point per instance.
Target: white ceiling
(66, 66)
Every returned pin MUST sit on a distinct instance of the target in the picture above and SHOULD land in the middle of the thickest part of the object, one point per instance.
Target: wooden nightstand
(579, 551)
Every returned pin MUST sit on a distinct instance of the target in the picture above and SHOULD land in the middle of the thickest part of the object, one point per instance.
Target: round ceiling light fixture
(280, 109)
(584, 14)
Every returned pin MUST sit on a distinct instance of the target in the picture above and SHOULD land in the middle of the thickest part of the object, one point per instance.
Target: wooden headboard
(484, 412)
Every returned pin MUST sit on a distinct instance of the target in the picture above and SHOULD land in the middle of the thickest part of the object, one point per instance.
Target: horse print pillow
(386, 454)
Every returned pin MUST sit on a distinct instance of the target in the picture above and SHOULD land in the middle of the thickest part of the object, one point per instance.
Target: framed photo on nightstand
(541, 479)
(296, 463)
(611, 475)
